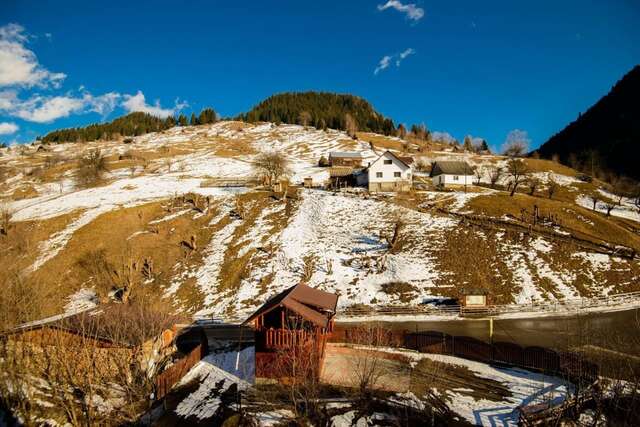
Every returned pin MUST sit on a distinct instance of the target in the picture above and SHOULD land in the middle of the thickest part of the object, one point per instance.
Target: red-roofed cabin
(295, 323)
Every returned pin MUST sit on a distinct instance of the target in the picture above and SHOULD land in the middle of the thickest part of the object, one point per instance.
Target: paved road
(618, 331)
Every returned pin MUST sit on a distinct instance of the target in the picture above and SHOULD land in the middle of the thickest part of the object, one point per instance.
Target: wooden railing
(284, 338)
(170, 376)
(289, 345)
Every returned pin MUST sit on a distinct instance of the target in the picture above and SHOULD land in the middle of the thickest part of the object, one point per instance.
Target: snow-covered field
(341, 237)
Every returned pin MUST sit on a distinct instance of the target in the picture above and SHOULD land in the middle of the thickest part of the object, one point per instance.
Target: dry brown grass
(471, 259)
(160, 243)
(431, 374)
(402, 291)
(234, 267)
(541, 165)
(572, 218)
(25, 191)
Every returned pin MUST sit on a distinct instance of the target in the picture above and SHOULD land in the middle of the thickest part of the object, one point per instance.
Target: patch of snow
(82, 300)
(204, 402)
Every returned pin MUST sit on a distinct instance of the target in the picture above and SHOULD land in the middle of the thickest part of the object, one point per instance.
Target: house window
(387, 162)
(378, 174)
(397, 174)
(455, 177)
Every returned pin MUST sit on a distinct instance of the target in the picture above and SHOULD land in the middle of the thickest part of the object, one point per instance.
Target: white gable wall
(445, 179)
(388, 173)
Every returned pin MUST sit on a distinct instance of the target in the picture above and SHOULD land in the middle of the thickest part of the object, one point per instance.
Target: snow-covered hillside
(335, 241)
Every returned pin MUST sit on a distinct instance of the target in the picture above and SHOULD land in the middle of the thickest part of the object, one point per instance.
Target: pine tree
(402, 131)
(182, 120)
(194, 120)
(468, 146)
(207, 116)
(170, 121)
(484, 146)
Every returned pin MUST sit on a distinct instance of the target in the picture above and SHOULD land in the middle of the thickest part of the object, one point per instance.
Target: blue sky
(465, 67)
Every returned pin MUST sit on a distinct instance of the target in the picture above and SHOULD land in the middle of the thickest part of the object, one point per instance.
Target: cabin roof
(451, 167)
(346, 154)
(312, 304)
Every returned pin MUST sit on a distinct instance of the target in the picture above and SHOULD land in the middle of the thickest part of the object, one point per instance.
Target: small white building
(389, 173)
(451, 173)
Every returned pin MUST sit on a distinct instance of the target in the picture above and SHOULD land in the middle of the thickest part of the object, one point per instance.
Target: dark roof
(407, 160)
(312, 304)
(449, 167)
(346, 154)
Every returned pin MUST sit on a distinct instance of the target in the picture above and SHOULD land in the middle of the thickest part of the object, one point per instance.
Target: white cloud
(403, 55)
(411, 10)
(45, 109)
(18, 65)
(102, 104)
(137, 102)
(386, 60)
(7, 99)
(7, 128)
(383, 64)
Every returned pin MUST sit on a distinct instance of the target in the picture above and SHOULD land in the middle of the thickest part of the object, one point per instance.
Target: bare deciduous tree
(91, 168)
(479, 173)
(518, 172)
(494, 173)
(552, 186)
(5, 220)
(351, 126)
(369, 366)
(516, 144)
(304, 118)
(595, 198)
(270, 166)
(609, 205)
(402, 131)
(533, 183)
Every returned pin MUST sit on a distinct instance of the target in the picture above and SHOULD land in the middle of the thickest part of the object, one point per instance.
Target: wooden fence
(566, 364)
(170, 376)
(571, 305)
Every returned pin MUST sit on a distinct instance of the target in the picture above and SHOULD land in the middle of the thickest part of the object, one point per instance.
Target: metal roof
(449, 167)
(345, 154)
(312, 304)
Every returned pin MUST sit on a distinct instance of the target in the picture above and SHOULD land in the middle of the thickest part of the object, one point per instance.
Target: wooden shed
(345, 158)
(295, 323)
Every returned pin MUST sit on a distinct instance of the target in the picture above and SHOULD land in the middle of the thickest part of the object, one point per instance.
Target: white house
(451, 173)
(389, 173)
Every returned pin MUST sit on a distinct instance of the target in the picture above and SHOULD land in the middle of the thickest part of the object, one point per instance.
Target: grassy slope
(467, 256)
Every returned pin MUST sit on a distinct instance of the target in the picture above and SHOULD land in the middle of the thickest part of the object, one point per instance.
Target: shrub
(91, 169)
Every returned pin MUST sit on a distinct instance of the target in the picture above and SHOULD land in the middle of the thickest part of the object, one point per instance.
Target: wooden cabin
(345, 158)
(291, 332)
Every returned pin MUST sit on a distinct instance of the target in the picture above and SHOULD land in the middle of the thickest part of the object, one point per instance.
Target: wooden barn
(291, 332)
(345, 158)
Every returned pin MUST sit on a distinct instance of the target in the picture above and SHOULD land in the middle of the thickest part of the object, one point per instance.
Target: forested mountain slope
(607, 136)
